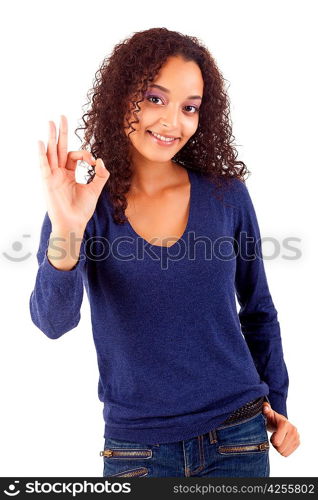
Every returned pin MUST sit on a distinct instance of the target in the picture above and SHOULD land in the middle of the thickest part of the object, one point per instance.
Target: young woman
(164, 237)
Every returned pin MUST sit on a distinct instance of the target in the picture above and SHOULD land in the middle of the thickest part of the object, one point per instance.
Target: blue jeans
(235, 450)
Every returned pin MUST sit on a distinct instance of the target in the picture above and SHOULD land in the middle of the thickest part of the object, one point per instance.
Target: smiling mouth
(160, 139)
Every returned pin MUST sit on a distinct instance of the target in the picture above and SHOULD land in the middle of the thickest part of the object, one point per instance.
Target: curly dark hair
(119, 87)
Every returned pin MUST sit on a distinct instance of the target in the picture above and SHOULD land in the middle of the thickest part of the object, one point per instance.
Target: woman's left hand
(285, 437)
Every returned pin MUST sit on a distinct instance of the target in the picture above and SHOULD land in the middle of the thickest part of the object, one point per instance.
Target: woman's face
(171, 110)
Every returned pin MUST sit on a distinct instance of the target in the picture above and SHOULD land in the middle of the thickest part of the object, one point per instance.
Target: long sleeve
(257, 315)
(57, 296)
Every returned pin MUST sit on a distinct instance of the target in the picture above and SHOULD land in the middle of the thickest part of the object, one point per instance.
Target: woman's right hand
(70, 204)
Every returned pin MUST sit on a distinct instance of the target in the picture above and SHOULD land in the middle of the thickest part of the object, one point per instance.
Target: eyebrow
(168, 91)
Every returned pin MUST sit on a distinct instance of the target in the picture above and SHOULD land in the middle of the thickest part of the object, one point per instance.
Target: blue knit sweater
(176, 353)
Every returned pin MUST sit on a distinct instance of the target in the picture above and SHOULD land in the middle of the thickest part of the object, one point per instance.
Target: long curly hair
(119, 87)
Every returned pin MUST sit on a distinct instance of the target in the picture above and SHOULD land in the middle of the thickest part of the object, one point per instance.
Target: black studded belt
(246, 411)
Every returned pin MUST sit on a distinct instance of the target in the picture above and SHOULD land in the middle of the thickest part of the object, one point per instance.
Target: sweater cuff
(278, 403)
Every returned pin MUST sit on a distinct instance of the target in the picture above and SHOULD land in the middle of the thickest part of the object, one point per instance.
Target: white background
(51, 418)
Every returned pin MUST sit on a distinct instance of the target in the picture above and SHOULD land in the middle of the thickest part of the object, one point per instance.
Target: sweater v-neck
(192, 199)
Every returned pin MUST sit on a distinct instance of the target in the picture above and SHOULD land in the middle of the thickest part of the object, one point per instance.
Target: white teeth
(163, 138)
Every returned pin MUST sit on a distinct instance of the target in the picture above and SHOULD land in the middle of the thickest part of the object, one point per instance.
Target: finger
(51, 149)
(101, 171)
(286, 450)
(74, 156)
(290, 448)
(278, 437)
(100, 177)
(62, 142)
(284, 444)
(44, 164)
(290, 442)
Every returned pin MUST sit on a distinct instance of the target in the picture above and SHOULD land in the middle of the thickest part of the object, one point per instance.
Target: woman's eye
(196, 110)
(194, 107)
(153, 97)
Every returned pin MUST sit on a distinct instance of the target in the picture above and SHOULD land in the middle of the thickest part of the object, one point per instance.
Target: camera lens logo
(16, 247)
(13, 492)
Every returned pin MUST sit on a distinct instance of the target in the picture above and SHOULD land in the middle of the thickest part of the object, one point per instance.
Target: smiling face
(170, 108)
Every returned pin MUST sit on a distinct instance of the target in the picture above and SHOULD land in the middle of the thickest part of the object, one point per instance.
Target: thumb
(270, 414)
(101, 170)
(101, 174)
(267, 409)
(271, 417)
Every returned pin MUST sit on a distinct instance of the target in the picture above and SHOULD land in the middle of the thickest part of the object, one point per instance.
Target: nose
(170, 118)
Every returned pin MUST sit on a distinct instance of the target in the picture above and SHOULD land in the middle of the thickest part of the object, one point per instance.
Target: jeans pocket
(126, 453)
(246, 437)
(244, 448)
(125, 459)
